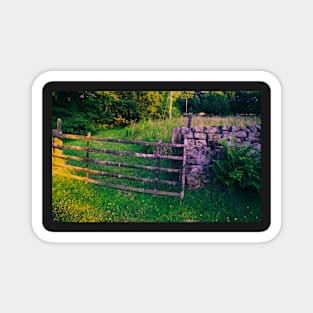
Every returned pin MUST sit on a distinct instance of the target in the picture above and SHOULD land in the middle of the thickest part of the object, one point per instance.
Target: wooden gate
(177, 155)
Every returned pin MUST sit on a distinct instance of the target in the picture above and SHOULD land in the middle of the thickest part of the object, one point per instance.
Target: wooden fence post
(59, 125)
(183, 172)
(157, 152)
(189, 117)
(57, 139)
(87, 155)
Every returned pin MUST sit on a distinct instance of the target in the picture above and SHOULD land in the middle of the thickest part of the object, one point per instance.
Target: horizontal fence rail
(135, 142)
(179, 156)
(118, 164)
(121, 153)
(108, 174)
(123, 187)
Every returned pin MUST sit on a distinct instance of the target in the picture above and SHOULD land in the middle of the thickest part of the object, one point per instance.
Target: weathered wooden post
(57, 144)
(183, 172)
(171, 103)
(87, 155)
(59, 125)
(189, 116)
(157, 153)
(176, 138)
(202, 114)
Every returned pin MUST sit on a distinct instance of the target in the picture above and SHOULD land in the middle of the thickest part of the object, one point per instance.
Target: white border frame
(85, 76)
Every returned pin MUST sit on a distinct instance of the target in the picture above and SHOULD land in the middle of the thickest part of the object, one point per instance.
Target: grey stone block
(198, 129)
(241, 134)
(185, 130)
(189, 135)
(212, 130)
(200, 136)
(201, 142)
(190, 143)
(234, 128)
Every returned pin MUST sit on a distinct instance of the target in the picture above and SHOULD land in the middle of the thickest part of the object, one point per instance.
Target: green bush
(238, 167)
(211, 102)
(78, 124)
(246, 102)
(215, 103)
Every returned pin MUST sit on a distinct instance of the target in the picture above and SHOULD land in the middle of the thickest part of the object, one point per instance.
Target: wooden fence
(179, 156)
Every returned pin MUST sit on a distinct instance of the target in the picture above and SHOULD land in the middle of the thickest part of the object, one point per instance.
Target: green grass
(75, 201)
(154, 130)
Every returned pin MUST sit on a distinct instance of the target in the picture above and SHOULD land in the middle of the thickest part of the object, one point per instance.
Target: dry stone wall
(204, 145)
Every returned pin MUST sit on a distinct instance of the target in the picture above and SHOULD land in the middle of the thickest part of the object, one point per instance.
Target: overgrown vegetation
(238, 167)
(75, 201)
(92, 110)
(154, 130)
(144, 115)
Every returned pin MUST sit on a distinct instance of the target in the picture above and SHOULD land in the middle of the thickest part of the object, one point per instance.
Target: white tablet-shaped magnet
(156, 156)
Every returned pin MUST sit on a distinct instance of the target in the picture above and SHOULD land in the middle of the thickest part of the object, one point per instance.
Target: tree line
(88, 110)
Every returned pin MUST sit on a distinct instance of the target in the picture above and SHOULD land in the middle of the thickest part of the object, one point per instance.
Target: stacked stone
(203, 146)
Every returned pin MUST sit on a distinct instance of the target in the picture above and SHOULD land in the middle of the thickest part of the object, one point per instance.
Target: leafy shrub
(246, 102)
(238, 167)
(215, 103)
(78, 124)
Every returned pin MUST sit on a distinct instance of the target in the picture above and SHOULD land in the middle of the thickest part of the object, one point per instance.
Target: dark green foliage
(246, 102)
(194, 105)
(81, 111)
(215, 103)
(90, 110)
(222, 102)
(85, 110)
(78, 124)
(238, 167)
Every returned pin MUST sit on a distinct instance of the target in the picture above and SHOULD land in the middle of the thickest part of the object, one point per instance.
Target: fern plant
(238, 167)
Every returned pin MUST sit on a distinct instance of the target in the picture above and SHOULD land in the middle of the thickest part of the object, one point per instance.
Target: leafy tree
(70, 107)
(246, 102)
(88, 110)
(151, 103)
(215, 103)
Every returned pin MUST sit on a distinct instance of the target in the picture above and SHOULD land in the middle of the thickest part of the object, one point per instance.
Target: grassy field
(162, 129)
(75, 201)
